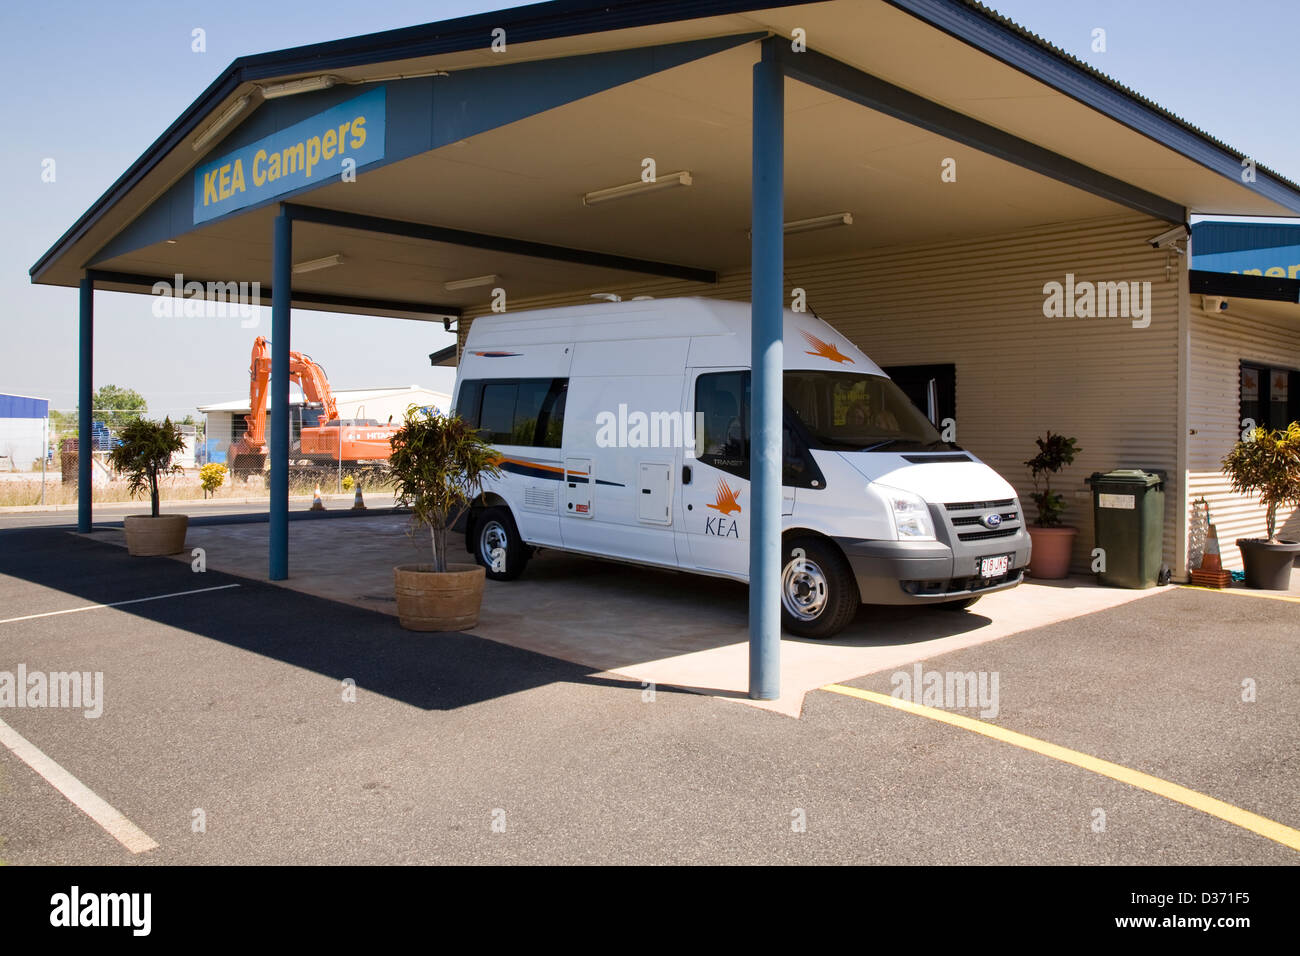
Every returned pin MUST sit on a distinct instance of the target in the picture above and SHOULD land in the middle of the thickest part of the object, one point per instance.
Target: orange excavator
(363, 441)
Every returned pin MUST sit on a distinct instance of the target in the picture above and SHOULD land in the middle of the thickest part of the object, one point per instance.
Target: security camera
(1168, 238)
(446, 323)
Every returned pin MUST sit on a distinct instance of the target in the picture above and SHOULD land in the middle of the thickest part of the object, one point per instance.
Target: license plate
(995, 567)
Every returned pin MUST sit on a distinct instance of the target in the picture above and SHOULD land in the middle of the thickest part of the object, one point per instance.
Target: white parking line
(96, 607)
(82, 797)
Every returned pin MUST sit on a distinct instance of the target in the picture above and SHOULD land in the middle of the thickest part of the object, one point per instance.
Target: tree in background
(115, 406)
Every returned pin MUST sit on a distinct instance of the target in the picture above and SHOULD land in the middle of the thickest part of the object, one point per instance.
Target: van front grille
(980, 505)
(986, 535)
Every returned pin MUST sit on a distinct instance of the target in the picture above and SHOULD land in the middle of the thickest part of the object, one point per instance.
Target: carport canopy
(480, 137)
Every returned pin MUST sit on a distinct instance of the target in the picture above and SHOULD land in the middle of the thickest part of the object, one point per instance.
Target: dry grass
(27, 491)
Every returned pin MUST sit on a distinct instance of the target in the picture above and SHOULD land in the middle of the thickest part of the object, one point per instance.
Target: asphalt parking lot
(228, 698)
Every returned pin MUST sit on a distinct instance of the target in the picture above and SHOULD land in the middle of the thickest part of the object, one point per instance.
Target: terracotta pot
(429, 600)
(1268, 563)
(1049, 558)
(147, 535)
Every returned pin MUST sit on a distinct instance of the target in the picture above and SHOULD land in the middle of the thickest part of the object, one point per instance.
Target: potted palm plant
(144, 454)
(438, 464)
(1051, 541)
(1267, 464)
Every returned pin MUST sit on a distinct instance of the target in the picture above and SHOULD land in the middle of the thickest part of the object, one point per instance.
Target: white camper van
(623, 433)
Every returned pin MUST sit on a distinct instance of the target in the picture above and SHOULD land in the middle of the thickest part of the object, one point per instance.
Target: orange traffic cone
(316, 503)
(1211, 574)
(1211, 560)
(358, 503)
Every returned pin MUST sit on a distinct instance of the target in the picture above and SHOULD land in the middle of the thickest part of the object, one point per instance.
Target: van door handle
(686, 474)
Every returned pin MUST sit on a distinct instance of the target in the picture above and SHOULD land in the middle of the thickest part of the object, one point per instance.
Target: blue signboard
(1246, 248)
(303, 154)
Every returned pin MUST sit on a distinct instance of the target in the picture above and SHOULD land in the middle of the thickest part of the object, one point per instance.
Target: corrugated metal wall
(1219, 343)
(978, 304)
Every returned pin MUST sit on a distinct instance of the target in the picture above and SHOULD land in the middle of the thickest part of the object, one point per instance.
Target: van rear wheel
(819, 594)
(497, 545)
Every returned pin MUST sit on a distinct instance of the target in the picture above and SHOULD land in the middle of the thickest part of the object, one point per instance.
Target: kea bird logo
(726, 501)
(825, 349)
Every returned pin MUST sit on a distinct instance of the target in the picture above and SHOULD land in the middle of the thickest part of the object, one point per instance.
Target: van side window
(722, 401)
(521, 411)
(722, 404)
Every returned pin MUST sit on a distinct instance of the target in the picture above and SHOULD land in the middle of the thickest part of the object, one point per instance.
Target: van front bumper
(929, 572)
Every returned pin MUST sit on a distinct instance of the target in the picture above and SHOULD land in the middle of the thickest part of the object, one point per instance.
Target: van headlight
(911, 515)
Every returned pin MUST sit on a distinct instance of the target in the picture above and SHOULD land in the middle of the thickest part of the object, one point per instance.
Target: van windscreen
(850, 411)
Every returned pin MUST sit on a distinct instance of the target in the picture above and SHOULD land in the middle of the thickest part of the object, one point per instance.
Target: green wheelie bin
(1128, 509)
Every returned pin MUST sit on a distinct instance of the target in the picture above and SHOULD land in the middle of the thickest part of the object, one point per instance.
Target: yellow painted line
(1242, 593)
(1270, 829)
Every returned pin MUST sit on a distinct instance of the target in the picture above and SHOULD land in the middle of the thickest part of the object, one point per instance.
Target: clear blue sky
(92, 84)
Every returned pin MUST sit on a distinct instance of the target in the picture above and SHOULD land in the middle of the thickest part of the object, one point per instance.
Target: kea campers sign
(349, 135)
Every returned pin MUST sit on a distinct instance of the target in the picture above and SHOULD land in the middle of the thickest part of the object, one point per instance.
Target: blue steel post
(768, 265)
(281, 293)
(85, 398)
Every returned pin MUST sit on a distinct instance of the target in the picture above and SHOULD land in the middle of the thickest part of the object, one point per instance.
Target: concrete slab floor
(659, 627)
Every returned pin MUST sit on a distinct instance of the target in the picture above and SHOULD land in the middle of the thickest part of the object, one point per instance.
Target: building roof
(341, 395)
(679, 68)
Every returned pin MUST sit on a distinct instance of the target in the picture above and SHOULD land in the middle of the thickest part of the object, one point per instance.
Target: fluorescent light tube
(224, 120)
(471, 283)
(819, 222)
(312, 265)
(308, 84)
(638, 188)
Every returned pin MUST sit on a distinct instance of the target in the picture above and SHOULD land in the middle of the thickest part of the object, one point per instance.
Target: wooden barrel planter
(147, 535)
(429, 600)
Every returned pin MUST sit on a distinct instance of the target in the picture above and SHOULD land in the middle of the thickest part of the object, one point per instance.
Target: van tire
(958, 605)
(488, 530)
(825, 588)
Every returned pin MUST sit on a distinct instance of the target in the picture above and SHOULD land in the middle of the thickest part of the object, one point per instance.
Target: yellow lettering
(313, 153)
(293, 159)
(210, 187)
(1251, 272)
(358, 132)
(328, 144)
(1293, 272)
(223, 182)
(259, 175)
(343, 131)
(237, 180)
(1277, 272)
(273, 168)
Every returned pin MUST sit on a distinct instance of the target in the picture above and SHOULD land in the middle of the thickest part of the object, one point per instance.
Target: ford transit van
(623, 433)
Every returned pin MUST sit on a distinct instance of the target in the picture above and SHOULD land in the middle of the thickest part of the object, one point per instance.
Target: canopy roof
(504, 145)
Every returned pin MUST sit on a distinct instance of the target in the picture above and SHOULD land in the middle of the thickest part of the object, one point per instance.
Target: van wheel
(494, 529)
(819, 594)
(958, 605)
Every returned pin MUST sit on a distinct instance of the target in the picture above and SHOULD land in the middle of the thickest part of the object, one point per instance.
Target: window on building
(527, 412)
(1270, 396)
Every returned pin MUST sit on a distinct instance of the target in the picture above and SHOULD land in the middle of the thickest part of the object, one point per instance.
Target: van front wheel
(497, 545)
(819, 594)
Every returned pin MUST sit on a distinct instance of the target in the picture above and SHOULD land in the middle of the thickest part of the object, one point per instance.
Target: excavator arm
(310, 378)
(248, 454)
